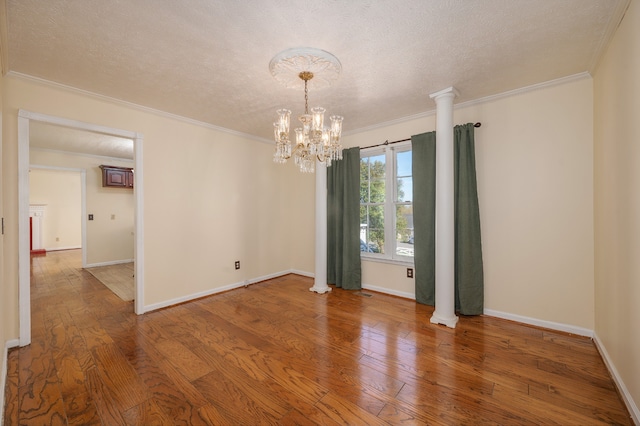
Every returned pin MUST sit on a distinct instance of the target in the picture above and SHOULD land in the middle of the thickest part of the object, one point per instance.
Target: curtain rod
(478, 124)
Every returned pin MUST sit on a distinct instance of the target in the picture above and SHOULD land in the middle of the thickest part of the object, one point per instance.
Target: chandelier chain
(306, 97)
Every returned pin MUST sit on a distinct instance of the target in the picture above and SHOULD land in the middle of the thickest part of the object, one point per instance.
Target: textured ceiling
(208, 60)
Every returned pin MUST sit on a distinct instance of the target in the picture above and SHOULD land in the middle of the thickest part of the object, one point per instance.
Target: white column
(445, 227)
(320, 283)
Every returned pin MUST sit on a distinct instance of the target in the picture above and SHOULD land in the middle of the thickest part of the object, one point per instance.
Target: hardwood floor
(274, 353)
(118, 278)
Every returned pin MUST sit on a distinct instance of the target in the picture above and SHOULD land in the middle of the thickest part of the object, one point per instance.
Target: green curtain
(343, 221)
(469, 278)
(423, 163)
(469, 289)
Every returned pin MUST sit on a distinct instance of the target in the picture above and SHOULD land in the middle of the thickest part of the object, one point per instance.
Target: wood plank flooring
(274, 353)
(118, 278)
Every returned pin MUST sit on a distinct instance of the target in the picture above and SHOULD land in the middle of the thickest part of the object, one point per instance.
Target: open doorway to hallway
(74, 141)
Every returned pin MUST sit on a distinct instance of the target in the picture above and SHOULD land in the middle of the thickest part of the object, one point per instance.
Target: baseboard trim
(112, 262)
(194, 296)
(504, 315)
(3, 380)
(303, 273)
(64, 248)
(377, 289)
(270, 276)
(12, 343)
(3, 373)
(567, 328)
(622, 388)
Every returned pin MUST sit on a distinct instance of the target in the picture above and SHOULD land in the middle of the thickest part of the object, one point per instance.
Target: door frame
(24, 257)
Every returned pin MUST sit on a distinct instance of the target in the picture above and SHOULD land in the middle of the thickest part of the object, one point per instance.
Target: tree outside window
(372, 200)
(386, 203)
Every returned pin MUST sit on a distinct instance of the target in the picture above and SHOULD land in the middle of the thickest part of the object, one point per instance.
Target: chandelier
(313, 139)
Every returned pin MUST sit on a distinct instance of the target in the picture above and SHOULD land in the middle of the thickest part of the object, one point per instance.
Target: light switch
(90, 217)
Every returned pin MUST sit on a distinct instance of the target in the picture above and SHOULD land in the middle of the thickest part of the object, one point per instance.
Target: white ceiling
(208, 60)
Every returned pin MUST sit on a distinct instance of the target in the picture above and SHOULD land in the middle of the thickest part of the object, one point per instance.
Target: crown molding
(515, 92)
(486, 99)
(534, 87)
(391, 122)
(132, 105)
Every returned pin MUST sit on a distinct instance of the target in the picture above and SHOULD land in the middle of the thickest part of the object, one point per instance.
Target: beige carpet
(117, 278)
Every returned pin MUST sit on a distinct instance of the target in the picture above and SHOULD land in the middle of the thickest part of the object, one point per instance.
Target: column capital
(448, 92)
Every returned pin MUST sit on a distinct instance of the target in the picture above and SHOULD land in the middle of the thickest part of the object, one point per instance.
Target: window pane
(377, 165)
(372, 179)
(404, 190)
(372, 229)
(377, 191)
(404, 230)
(364, 180)
(403, 161)
(404, 181)
(377, 168)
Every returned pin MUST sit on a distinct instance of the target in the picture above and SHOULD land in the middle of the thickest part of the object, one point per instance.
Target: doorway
(56, 202)
(25, 119)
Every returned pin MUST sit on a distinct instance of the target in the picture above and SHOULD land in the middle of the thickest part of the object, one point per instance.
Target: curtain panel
(343, 221)
(423, 163)
(469, 275)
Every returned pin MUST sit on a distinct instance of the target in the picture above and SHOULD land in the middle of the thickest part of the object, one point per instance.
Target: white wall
(301, 218)
(617, 204)
(534, 156)
(210, 197)
(60, 192)
(108, 240)
(7, 302)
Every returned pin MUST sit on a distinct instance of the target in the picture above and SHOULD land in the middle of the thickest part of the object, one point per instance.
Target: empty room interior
(296, 212)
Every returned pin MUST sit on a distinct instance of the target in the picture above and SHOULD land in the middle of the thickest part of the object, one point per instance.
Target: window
(386, 203)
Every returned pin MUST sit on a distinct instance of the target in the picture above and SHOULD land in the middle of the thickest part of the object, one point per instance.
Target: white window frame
(391, 197)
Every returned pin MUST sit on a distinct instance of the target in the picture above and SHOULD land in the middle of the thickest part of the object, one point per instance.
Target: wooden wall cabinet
(117, 177)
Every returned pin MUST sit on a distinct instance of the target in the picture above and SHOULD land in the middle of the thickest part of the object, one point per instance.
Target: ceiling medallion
(286, 66)
(298, 68)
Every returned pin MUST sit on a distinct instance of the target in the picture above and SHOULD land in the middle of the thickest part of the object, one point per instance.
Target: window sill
(376, 259)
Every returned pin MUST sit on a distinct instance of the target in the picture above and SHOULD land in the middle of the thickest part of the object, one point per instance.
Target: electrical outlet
(409, 272)
(237, 264)
(57, 239)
